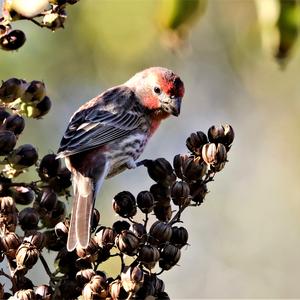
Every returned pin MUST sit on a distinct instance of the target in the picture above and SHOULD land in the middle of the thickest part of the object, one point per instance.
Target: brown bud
(198, 192)
(3, 114)
(95, 289)
(49, 167)
(132, 278)
(90, 252)
(35, 92)
(161, 232)
(119, 226)
(48, 200)
(194, 168)
(84, 276)
(179, 236)
(28, 218)
(8, 141)
(228, 136)
(105, 237)
(124, 204)
(116, 290)
(56, 215)
(149, 255)
(25, 295)
(23, 157)
(13, 40)
(145, 202)
(11, 90)
(9, 243)
(22, 195)
(44, 292)
(127, 242)
(14, 123)
(27, 256)
(195, 142)
(163, 213)
(214, 154)
(170, 256)
(160, 170)
(36, 239)
(180, 192)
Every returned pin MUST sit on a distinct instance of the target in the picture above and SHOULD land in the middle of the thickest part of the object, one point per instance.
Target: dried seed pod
(147, 290)
(194, 168)
(103, 255)
(24, 295)
(7, 205)
(49, 167)
(14, 123)
(161, 194)
(52, 242)
(62, 229)
(180, 192)
(9, 243)
(138, 229)
(132, 278)
(28, 218)
(22, 195)
(62, 181)
(67, 289)
(170, 256)
(149, 255)
(96, 288)
(66, 262)
(23, 157)
(127, 242)
(8, 141)
(90, 252)
(124, 204)
(119, 226)
(198, 192)
(55, 216)
(27, 256)
(24, 283)
(179, 236)
(214, 155)
(8, 214)
(55, 20)
(35, 238)
(12, 40)
(163, 213)
(44, 292)
(160, 170)
(42, 108)
(84, 276)
(35, 92)
(105, 237)
(216, 134)
(228, 136)
(48, 200)
(116, 290)
(161, 232)
(195, 142)
(3, 113)
(145, 202)
(11, 90)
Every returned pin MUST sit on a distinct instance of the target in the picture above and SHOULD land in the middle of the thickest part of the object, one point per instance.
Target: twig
(46, 267)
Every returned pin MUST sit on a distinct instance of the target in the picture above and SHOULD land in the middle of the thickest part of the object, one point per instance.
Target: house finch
(108, 134)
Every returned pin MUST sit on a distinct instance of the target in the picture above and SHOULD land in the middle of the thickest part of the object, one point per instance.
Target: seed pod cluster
(49, 14)
(145, 246)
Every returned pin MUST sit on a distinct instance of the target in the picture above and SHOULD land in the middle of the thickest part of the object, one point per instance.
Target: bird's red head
(160, 90)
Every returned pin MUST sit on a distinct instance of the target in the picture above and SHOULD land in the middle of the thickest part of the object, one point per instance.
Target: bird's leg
(131, 164)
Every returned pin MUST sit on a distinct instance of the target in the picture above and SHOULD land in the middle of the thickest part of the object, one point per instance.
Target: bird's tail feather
(85, 191)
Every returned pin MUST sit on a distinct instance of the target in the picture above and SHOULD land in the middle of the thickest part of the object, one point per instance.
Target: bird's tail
(85, 191)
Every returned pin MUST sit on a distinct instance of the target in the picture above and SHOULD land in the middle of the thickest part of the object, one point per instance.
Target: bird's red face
(161, 90)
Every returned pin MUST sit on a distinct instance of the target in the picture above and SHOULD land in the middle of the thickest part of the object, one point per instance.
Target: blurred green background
(245, 238)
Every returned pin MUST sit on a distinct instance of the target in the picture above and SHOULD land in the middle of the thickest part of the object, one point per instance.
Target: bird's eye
(157, 90)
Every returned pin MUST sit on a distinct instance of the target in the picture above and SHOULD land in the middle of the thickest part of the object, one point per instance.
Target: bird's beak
(175, 105)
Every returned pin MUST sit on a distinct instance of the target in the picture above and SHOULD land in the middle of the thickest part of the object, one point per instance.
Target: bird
(107, 135)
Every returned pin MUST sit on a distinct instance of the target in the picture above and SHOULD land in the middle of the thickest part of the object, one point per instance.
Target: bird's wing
(109, 117)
